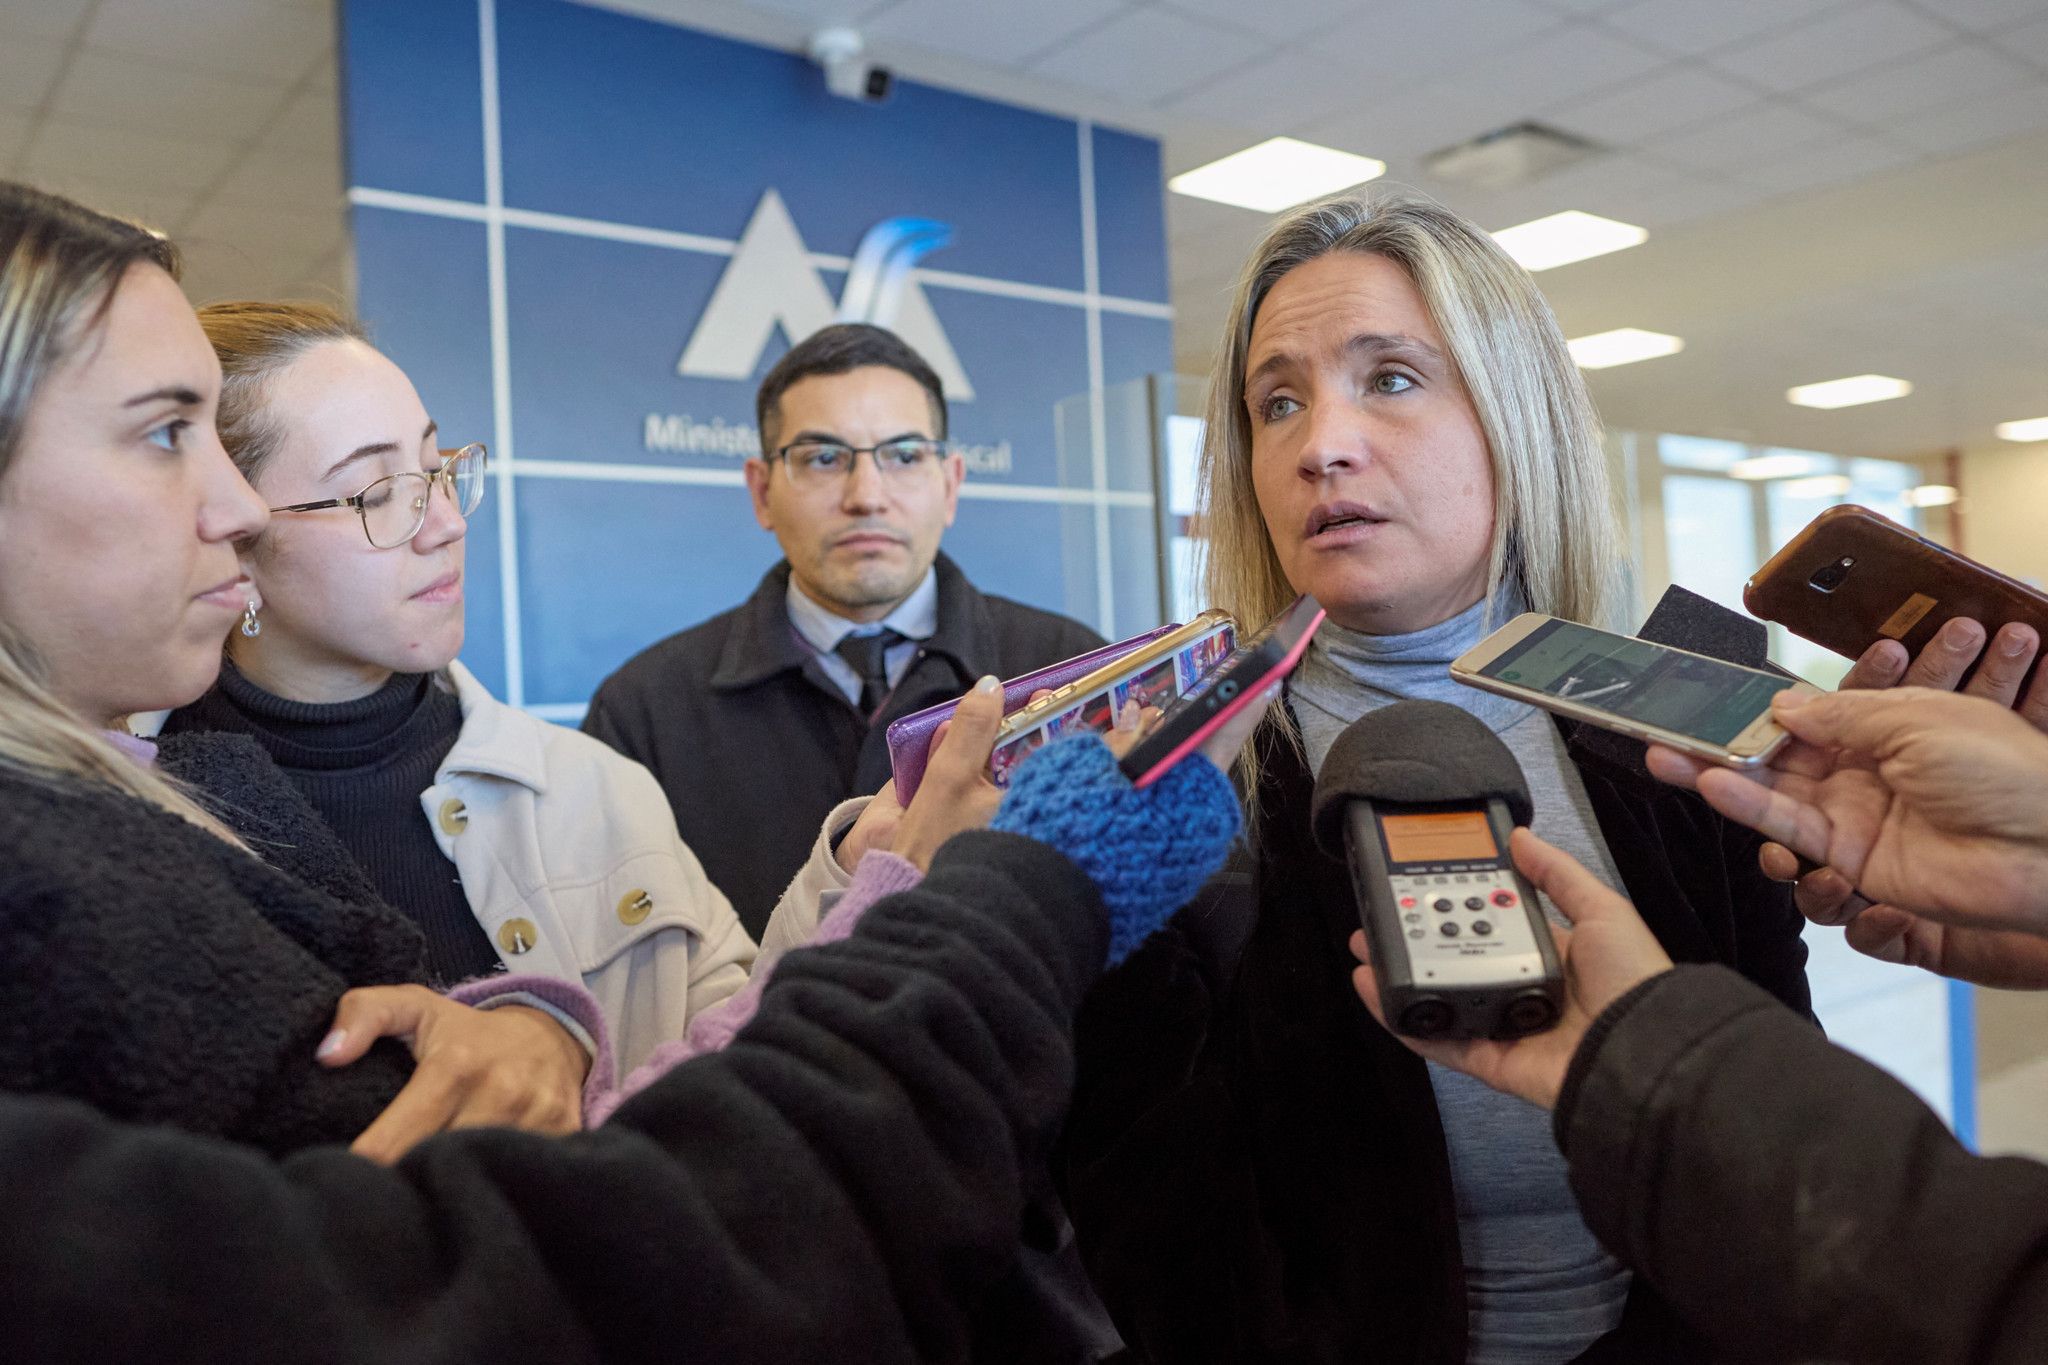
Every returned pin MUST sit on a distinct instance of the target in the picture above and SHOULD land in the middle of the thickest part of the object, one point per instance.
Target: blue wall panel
(412, 103)
(689, 127)
(633, 157)
(626, 564)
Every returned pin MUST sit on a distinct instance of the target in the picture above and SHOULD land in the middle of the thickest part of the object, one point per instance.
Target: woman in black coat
(1256, 1170)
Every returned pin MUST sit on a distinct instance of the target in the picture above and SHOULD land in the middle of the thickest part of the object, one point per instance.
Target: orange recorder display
(1444, 836)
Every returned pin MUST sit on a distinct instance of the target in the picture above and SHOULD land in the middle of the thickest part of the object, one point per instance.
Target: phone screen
(1159, 685)
(1703, 698)
(1232, 685)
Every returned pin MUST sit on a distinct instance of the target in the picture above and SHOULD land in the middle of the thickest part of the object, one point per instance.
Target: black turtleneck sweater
(363, 764)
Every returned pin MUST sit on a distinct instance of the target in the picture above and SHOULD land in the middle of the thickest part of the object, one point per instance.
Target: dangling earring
(251, 627)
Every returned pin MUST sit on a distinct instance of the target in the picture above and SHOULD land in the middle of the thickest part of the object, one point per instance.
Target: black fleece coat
(1257, 1170)
(164, 976)
(843, 1183)
(1791, 1200)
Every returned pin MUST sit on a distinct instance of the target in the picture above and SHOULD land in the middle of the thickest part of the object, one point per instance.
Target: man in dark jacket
(761, 720)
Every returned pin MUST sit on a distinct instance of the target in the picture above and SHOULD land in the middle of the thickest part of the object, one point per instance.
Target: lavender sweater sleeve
(880, 874)
(574, 1008)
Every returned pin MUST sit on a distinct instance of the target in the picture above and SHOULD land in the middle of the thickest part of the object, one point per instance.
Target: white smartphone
(1706, 707)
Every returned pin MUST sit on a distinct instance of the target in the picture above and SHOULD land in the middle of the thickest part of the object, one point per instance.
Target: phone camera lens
(1226, 690)
(1831, 576)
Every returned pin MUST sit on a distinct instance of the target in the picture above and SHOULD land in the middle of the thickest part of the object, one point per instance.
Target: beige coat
(571, 862)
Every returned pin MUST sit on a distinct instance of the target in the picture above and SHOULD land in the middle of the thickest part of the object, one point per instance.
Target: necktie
(864, 654)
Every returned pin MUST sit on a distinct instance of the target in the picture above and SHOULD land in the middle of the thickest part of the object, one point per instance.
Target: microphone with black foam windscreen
(1419, 798)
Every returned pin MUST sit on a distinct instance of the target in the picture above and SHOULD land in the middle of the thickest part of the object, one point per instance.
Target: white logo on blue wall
(771, 283)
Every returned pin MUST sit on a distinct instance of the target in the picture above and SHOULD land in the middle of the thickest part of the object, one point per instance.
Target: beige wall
(2005, 509)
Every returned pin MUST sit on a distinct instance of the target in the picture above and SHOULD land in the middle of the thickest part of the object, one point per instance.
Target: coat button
(635, 906)
(454, 816)
(516, 936)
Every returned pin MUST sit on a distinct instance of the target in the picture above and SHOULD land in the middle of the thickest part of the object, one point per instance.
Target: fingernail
(2011, 643)
(1792, 697)
(988, 683)
(1959, 634)
(331, 1044)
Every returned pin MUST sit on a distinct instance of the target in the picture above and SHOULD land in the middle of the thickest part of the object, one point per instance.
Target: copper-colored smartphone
(1852, 578)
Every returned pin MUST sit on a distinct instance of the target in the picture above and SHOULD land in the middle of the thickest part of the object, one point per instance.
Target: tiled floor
(2012, 1072)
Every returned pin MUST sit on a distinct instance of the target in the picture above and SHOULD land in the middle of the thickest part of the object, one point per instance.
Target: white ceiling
(1832, 186)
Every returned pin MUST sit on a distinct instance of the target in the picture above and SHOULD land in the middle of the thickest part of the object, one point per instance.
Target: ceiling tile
(28, 67)
(1146, 55)
(1000, 35)
(1561, 65)
(1889, 93)
(265, 233)
(127, 157)
(227, 37)
(163, 209)
(168, 101)
(53, 19)
(286, 179)
(1832, 161)
(1853, 39)
(825, 11)
(1761, 132)
(1986, 14)
(1960, 127)
(1285, 91)
(311, 124)
(1580, 7)
(1670, 99)
(1285, 20)
(2029, 42)
(1401, 44)
(1690, 27)
(14, 126)
(1414, 124)
(1612, 186)
(1692, 198)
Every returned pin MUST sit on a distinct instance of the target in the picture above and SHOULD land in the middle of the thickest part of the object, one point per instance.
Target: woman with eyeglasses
(511, 842)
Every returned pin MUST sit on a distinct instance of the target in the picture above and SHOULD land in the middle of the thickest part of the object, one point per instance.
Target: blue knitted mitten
(1148, 851)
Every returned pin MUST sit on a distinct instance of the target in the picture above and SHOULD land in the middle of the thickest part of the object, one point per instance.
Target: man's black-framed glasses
(814, 463)
(395, 507)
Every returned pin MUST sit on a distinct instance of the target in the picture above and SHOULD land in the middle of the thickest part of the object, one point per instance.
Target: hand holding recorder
(1606, 953)
(1929, 800)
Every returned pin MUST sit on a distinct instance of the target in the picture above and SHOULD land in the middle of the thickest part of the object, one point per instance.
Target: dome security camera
(842, 54)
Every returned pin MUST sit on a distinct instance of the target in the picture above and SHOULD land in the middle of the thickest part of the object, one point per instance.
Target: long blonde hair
(60, 263)
(1557, 542)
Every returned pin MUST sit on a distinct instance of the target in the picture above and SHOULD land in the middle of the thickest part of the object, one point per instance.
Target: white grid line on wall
(511, 603)
(435, 207)
(1098, 429)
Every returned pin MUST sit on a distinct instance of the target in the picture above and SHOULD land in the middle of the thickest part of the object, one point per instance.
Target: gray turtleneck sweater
(1539, 1287)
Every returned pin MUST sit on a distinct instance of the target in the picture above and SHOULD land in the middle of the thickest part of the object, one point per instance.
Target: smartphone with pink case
(910, 737)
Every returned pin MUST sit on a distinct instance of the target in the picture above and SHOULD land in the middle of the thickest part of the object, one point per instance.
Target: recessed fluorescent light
(1819, 486)
(1277, 174)
(1622, 346)
(1565, 237)
(1772, 467)
(1931, 495)
(2033, 429)
(1847, 393)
